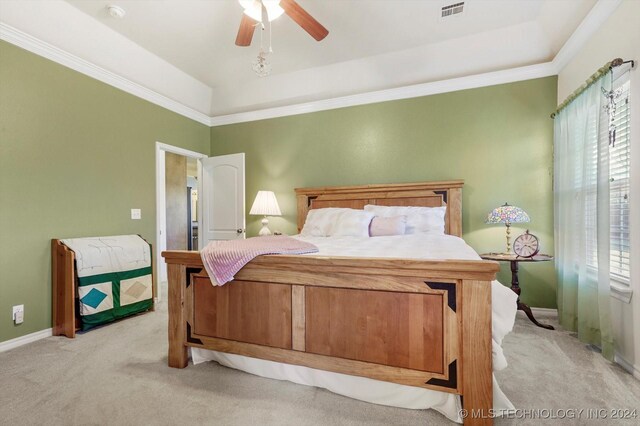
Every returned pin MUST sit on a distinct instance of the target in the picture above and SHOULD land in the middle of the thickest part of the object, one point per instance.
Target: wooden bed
(413, 322)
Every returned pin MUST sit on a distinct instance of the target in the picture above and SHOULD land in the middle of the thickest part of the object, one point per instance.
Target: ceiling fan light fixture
(253, 9)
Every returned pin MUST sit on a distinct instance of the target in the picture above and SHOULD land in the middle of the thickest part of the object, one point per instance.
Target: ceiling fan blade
(245, 32)
(302, 18)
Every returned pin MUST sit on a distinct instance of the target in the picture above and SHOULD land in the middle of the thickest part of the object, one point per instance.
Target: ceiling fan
(257, 11)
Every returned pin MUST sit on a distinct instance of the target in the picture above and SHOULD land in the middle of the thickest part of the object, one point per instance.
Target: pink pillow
(385, 226)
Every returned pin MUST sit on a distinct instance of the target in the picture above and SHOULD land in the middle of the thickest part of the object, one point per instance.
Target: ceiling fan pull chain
(262, 30)
(270, 48)
(261, 65)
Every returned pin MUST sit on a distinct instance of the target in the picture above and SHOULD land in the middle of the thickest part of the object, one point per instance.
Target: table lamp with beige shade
(265, 205)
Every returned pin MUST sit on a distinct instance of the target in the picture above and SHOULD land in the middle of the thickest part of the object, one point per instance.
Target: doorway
(174, 203)
(192, 204)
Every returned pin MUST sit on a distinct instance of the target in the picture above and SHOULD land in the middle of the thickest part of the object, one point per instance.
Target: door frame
(161, 205)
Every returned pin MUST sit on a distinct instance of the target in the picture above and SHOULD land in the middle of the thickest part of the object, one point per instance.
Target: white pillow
(336, 221)
(420, 220)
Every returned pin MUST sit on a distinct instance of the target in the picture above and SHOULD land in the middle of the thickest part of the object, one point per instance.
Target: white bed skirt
(418, 246)
(364, 389)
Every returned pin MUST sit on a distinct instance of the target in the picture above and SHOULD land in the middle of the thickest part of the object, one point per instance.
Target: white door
(221, 196)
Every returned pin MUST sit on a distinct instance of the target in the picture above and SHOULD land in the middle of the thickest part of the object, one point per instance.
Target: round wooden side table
(515, 284)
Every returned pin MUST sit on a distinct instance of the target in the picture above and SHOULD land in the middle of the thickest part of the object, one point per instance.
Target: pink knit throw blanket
(223, 259)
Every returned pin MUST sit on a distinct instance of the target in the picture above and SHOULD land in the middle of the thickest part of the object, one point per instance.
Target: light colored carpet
(118, 375)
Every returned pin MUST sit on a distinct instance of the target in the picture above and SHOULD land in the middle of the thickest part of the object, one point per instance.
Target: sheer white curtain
(581, 210)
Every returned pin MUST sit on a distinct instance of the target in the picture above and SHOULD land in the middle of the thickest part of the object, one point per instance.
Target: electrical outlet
(136, 214)
(18, 314)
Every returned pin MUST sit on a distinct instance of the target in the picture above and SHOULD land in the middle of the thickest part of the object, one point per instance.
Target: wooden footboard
(412, 322)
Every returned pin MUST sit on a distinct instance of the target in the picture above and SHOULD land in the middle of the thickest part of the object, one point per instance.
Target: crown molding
(592, 22)
(587, 28)
(600, 12)
(417, 90)
(46, 50)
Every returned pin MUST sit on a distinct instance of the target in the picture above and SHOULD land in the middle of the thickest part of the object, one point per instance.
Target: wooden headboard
(421, 194)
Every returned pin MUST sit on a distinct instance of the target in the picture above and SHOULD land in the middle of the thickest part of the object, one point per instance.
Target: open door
(221, 196)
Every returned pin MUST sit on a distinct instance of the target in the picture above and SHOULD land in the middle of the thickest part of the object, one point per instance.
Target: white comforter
(419, 246)
(416, 246)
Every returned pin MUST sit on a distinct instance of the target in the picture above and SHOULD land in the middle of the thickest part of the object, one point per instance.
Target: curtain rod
(592, 79)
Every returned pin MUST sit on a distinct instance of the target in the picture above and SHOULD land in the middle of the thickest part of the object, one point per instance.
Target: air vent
(452, 9)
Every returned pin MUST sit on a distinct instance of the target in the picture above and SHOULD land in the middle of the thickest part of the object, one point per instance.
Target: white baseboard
(631, 369)
(23, 340)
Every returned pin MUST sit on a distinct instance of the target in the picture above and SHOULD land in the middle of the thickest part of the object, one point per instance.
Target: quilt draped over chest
(114, 277)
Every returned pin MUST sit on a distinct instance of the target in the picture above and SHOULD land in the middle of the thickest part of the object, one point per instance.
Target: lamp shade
(265, 204)
(507, 214)
(253, 9)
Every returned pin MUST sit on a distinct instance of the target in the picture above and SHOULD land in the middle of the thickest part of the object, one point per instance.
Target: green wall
(498, 139)
(75, 156)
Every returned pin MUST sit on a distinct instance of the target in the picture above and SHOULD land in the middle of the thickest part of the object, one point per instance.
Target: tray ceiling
(372, 45)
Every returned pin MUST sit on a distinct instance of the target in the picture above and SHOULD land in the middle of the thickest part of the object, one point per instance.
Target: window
(619, 187)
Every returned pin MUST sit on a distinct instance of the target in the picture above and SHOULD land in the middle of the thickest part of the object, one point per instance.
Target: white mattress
(419, 246)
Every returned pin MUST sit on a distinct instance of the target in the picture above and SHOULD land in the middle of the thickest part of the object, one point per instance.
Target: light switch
(136, 214)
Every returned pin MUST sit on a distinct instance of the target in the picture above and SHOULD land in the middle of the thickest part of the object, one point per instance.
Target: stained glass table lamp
(507, 214)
